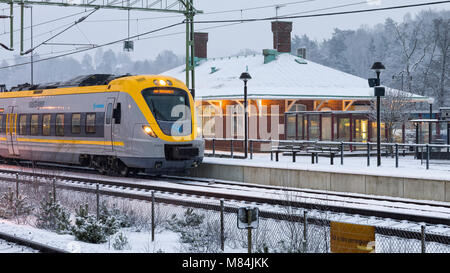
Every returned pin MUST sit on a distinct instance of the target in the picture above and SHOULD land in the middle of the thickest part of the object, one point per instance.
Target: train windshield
(168, 104)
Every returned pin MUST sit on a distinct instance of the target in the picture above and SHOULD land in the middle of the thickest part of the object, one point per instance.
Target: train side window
(46, 124)
(23, 125)
(117, 113)
(34, 125)
(90, 123)
(60, 124)
(76, 123)
(108, 113)
(1, 123)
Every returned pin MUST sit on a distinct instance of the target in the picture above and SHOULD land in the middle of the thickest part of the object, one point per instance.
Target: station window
(23, 125)
(34, 125)
(46, 124)
(60, 124)
(90, 123)
(76, 123)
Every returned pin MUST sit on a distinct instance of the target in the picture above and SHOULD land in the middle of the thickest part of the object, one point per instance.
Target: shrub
(14, 206)
(120, 241)
(87, 228)
(53, 216)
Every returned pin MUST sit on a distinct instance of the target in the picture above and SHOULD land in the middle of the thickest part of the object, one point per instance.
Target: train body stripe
(72, 141)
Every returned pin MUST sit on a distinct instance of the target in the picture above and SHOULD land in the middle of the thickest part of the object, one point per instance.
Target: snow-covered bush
(196, 234)
(190, 219)
(14, 206)
(87, 228)
(114, 218)
(53, 216)
(120, 241)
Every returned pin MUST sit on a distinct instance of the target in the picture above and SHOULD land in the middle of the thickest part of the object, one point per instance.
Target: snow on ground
(139, 242)
(408, 166)
(8, 247)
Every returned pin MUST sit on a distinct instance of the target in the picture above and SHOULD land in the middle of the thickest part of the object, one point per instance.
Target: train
(116, 124)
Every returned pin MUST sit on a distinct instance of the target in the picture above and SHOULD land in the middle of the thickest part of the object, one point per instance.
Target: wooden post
(54, 189)
(222, 226)
(153, 216)
(249, 235)
(17, 185)
(98, 200)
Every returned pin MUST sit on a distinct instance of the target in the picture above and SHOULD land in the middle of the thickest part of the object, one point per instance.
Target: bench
(285, 149)
(328, 150)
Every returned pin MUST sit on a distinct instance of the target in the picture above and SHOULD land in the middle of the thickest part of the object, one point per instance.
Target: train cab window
(76, 123)
(34, 125)
(60, 124)
(46, 124)
(90, 123)
(108, 113)
(23, 125)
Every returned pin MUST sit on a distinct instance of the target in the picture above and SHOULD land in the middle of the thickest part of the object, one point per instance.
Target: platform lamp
(379, 92)
(245, 76)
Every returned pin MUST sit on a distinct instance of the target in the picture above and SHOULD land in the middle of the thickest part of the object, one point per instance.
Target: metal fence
(294, 148)
(210, 226)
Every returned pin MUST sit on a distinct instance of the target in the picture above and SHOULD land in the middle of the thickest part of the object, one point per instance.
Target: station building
(306, 99)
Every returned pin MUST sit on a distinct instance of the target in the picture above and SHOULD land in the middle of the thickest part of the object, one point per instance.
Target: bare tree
(414, 46)
(394, 110)
(442, 36)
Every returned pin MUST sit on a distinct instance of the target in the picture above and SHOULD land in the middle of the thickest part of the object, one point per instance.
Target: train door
(109, 124)
(11, 130)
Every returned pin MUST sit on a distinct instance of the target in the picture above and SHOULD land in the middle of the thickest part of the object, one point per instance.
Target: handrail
(394, 146)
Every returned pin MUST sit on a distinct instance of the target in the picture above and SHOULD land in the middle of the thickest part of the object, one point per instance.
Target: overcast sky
(223, 40)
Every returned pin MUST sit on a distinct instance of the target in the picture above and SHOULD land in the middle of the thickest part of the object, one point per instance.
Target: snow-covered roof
(286, 77)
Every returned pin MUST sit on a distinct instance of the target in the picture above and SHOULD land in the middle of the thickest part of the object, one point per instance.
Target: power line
(204, 13)
(102, 45)
(236, 22)
(322, 14)
(59, 33)
(50, 21)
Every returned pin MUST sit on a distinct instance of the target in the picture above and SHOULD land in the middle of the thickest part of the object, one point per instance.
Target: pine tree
(53, 216)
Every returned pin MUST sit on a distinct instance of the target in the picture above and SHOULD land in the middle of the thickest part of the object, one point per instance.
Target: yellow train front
(116, 124)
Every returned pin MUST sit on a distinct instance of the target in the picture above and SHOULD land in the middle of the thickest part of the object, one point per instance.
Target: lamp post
(245, 76)
(430, 128)
(379, 91)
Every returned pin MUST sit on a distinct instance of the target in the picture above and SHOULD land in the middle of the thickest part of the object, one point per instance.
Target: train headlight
(199, 130)
(148, 130)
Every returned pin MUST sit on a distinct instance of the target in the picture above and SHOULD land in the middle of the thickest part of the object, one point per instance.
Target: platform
(410, 180)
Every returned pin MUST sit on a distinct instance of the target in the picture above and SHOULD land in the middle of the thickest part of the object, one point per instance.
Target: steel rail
(252, 199)
(438, 238)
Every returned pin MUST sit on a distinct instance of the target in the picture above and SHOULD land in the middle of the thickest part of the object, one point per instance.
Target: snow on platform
(408, 166)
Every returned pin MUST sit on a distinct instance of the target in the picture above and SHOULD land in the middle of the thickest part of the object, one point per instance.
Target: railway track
(205, 194)
(370, 206)
(13, 244)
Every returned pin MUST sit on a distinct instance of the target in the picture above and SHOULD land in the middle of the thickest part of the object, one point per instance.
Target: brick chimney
(301, 52)
(282, 36)
(200, 47)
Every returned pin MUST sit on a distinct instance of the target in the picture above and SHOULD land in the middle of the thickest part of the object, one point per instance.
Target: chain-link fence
(206, 225)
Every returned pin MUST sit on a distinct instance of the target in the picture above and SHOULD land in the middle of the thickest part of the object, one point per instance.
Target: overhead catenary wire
(59, 33)
(323, 14)
(101, 45)
(236, 22)
(49, 21)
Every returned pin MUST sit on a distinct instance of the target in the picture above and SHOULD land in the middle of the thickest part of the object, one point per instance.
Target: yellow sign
(351, 238)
